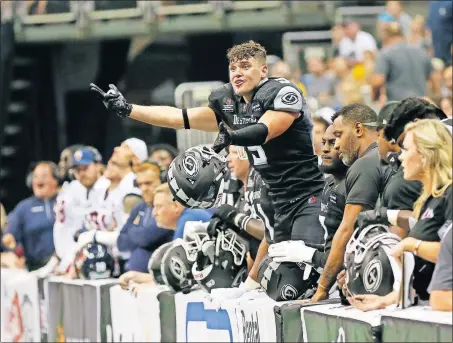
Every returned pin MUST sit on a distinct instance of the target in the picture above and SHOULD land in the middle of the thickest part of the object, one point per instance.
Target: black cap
(386, 112)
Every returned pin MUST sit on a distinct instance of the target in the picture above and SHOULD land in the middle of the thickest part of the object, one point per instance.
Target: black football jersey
(333, 202)
(286, 163)
(260, 205)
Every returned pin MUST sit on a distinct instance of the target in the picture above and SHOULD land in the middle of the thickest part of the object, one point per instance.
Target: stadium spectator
(283, 69)
(420, 35)
(347, 89)
(355, 43)
(171, 215)
(436, 82)
(163, 154)
(30, 225)
(396, 11)
(8, 259)
(141, 235)
(318, 84)
(448, 82)
(65, 171)
(441, 285)
(426, 157)
(402, 69)
(440, 23)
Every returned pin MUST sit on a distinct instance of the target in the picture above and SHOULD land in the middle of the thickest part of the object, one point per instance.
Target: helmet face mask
(196, 177)
(94, 262)
(370, 268)
(221, 263)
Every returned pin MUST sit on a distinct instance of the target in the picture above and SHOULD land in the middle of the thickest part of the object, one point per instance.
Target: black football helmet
(369, 267)
(176, 268)
(155, 262)
(288, 280)
(221, 262)
(196, 177)
(93, 262)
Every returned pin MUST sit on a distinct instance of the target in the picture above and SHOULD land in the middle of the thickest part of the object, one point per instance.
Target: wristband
(241, 221)
(186, 119)
(392, 216)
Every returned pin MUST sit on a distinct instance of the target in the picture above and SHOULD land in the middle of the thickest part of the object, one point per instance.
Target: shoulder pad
(224, 91)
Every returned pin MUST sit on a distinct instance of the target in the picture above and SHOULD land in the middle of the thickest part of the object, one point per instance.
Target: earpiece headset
(32, 166)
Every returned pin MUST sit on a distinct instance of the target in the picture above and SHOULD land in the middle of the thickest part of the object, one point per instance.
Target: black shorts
(301, 222)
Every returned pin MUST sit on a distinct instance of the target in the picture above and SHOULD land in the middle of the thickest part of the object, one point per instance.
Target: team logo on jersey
(372, 276)
(289, 292)
(429, 213)
(228, 106)
(190, 165)
(312, 200)
(290, 98)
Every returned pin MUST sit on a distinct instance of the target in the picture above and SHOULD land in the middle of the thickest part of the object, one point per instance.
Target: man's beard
(336, 168)
(351, 154)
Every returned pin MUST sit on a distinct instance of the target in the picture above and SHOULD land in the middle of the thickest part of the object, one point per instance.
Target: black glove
(226, 213)
(223, 139)
(113, 100)
(366, 218)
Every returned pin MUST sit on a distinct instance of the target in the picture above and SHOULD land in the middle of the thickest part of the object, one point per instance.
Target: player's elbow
(441, 300)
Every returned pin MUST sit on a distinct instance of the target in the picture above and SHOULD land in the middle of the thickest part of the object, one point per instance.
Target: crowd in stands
(391, 168)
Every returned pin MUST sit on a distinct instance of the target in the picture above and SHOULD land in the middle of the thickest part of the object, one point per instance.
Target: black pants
(301, 223)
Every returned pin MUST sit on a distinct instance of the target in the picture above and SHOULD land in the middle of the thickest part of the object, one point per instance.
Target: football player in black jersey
(270, 118)
(333, 201)
(355, 129)
(256, 217)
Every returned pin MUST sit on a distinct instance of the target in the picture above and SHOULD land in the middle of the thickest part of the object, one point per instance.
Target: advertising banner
(338, 323)
(417, 324)
(20, 307)
(75, 308)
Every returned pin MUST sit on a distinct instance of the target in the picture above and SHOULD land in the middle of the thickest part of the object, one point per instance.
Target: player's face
(246, 74)
(87, 175)
(239, 167)
(318, 131)
(43, 183)
(346, 141)
(112, 171)
(383, 146)
(411, 160)
(65, 163)
(331, 162)
(162, 157)
(123, 155)
(147, 181)
(164, 211)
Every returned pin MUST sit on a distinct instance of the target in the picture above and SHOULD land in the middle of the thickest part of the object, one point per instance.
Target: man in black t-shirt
(355, 129)
(267, 116)
(399, 194)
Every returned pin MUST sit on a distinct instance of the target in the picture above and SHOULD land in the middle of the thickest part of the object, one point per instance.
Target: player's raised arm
(199, 118)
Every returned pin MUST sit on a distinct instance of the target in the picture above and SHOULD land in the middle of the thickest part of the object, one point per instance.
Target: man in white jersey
(119, 200)
(72, 205)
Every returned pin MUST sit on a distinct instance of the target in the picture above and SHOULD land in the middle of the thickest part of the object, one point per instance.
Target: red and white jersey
(73, 204)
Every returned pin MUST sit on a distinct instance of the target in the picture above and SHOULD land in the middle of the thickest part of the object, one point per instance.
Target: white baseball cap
(138, 147)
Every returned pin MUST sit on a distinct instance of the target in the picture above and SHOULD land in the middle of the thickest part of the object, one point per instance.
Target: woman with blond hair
(426, 157)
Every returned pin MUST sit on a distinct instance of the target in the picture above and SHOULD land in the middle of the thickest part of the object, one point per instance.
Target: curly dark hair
(245, 51)
(409, 110)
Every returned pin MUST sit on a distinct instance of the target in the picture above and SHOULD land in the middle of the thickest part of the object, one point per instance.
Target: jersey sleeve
(442, 279)
(362, 184)
(215, 102)
(281, 95)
